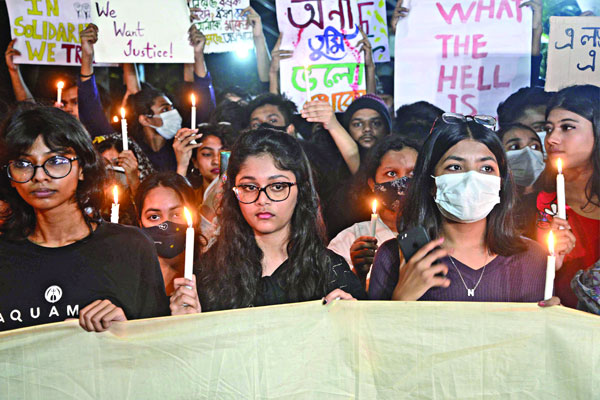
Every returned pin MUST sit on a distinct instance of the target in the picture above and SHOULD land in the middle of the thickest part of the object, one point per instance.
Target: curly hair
(59, 130)
(232, 282)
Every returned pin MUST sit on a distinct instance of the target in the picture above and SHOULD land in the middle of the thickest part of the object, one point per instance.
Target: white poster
(47, 32)
(573, 52)
(152, 31)
(464, 56)
(222, 23)
(327, 64)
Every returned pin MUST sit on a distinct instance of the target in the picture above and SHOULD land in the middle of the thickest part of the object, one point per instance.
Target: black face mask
(392, 193)
(169, 238)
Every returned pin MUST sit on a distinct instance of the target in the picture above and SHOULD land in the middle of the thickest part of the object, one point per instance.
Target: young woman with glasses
(271, 247)
(462, 194)
(58, 259)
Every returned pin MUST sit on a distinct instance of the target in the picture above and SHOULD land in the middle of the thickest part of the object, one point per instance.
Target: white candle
(307, 83)
(193, 124)
(124, 130)
(560, 192)
(189, 246)
(374, 218)
(60, 85)
(550, 268)
(114, 209)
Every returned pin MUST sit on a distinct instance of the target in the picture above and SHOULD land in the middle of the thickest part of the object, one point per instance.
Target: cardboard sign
(372, 18)
(47, 31)
(222, 23)
(463, 56)
(152, 31)
(573, 52)
(327, 64)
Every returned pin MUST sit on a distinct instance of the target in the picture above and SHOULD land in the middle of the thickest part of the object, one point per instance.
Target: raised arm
(20, 89)
(131, 81)
(263, 59)
(278, 55)
(91, 113)
(202, 79)
(321, 112)
(365, 47)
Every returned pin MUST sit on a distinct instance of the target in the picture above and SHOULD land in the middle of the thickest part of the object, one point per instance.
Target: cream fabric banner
(367, 350)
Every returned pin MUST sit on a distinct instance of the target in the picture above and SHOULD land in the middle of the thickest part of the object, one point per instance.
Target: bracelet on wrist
(86, 76)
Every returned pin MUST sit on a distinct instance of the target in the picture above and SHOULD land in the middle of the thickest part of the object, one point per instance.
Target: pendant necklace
(470, 292)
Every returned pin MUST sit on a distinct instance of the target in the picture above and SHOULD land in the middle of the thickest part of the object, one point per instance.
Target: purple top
(516, 278)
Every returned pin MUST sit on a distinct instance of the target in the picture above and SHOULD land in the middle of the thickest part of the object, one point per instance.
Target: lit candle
(560, 192)
(114, 210)
(193, 124)
(374, 217)
(306, 82)
(124, 130)
(550, 268)
(115, 119)
(189, 246)
(60, 85)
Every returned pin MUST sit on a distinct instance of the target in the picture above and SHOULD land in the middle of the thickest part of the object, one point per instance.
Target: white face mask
(467, 197)
(171, 123)
(526, 165)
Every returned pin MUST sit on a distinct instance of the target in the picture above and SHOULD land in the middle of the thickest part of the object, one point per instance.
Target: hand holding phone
(422, 270)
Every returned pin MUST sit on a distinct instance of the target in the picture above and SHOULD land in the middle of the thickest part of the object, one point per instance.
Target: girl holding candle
(385, 173)
(271, 248)
(161, 200)
(462, 193)
(573, 136)
(52, 239)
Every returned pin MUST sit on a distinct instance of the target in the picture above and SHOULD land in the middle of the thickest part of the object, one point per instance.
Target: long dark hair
(231, 270)
(59, 130)
(420, 209)
(582, 100)
(141, 104)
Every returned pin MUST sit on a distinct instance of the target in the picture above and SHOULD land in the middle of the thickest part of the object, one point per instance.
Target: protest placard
(327, 64)
(573, 52)
(223, 24)
(464, 56)
(47, 31)
(372, 18)
(131, 31)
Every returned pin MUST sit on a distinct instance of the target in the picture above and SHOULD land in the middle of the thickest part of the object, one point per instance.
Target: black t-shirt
(39, 285)
(340, 277)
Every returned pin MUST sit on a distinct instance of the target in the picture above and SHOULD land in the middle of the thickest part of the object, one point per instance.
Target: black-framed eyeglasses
(57, 167)
(456, 118)
(249, 193)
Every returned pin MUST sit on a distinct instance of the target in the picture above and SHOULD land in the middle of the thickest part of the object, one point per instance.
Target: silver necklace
(470, 292)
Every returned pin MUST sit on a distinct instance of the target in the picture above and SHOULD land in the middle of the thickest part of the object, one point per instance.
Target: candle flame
(116, 194)
(193, 100)
(60, 84)
(115, 119)
(122, 113)
(188, 217)
(374, 206)
(551, 243)
(559, 166)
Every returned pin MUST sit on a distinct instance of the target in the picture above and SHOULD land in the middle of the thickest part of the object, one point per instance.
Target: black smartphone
(412, 240)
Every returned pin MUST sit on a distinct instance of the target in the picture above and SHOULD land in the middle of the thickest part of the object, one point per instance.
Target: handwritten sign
(372, 17)
(327, 64)
(463, 56)
(573, 52)
(130, 31)
(47, 31)
(222, 23)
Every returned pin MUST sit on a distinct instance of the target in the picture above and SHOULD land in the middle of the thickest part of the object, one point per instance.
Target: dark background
(226, 69)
